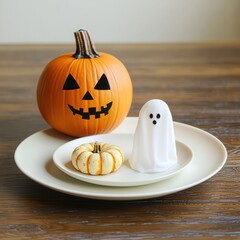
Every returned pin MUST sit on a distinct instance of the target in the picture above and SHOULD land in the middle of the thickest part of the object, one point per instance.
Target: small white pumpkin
(97, 158)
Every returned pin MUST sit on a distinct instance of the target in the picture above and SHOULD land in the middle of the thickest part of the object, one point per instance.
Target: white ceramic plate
(125, 176)
(33, 156)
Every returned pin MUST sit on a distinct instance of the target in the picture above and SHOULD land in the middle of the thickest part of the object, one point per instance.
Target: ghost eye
(158, 115)
(151, 115)
(70, 83)
(102, 83)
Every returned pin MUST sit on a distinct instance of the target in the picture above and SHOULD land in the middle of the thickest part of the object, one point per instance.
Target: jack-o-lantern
(86, 92)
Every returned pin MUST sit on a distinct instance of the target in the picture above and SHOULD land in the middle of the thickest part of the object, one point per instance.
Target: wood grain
(201, 84)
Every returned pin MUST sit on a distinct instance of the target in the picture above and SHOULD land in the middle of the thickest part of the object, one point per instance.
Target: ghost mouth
(91, 111)
(154, 122)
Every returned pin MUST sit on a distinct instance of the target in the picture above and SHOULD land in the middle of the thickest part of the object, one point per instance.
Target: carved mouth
(91, 111)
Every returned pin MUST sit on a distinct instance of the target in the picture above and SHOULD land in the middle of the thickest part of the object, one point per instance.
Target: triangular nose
(87, 96)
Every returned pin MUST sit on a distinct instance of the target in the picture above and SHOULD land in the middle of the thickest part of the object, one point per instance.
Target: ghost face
(154, 118)
(155, 113)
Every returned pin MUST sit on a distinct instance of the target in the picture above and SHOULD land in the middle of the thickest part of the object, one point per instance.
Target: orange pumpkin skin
(61, 108)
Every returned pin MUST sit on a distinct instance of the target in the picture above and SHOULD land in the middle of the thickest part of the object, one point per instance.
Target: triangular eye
(70, 83)
(102, 83)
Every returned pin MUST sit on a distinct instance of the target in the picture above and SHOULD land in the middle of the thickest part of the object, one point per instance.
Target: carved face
(82, 97)
(97, 111)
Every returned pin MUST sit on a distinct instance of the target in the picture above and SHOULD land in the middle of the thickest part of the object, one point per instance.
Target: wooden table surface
(201, 84)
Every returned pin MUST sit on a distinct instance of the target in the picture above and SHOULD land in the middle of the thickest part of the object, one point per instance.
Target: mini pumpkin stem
(85, 48)
(96, 147)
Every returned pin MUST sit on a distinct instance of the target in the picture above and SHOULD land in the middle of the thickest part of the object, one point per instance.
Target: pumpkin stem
(96, 148)
(84, 45)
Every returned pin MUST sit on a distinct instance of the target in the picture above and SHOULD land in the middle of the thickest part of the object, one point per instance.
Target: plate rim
(119, 196)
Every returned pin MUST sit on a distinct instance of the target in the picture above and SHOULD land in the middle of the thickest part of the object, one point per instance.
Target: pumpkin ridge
(100, 60)
(120, 152)
(120, 104)
(99, 69)
(113, 160)
(78, 157)
(110, 146)
(100, 164)
(103, 146)
(96, 93)
(87, 163)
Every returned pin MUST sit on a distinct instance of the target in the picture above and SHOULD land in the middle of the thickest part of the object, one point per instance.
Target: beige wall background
(119, 21)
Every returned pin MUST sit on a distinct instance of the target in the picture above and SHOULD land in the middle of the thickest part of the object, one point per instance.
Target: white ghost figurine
(154, 146)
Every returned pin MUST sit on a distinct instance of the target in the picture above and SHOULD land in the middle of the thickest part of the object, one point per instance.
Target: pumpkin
(85, 92)
(97, 158)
